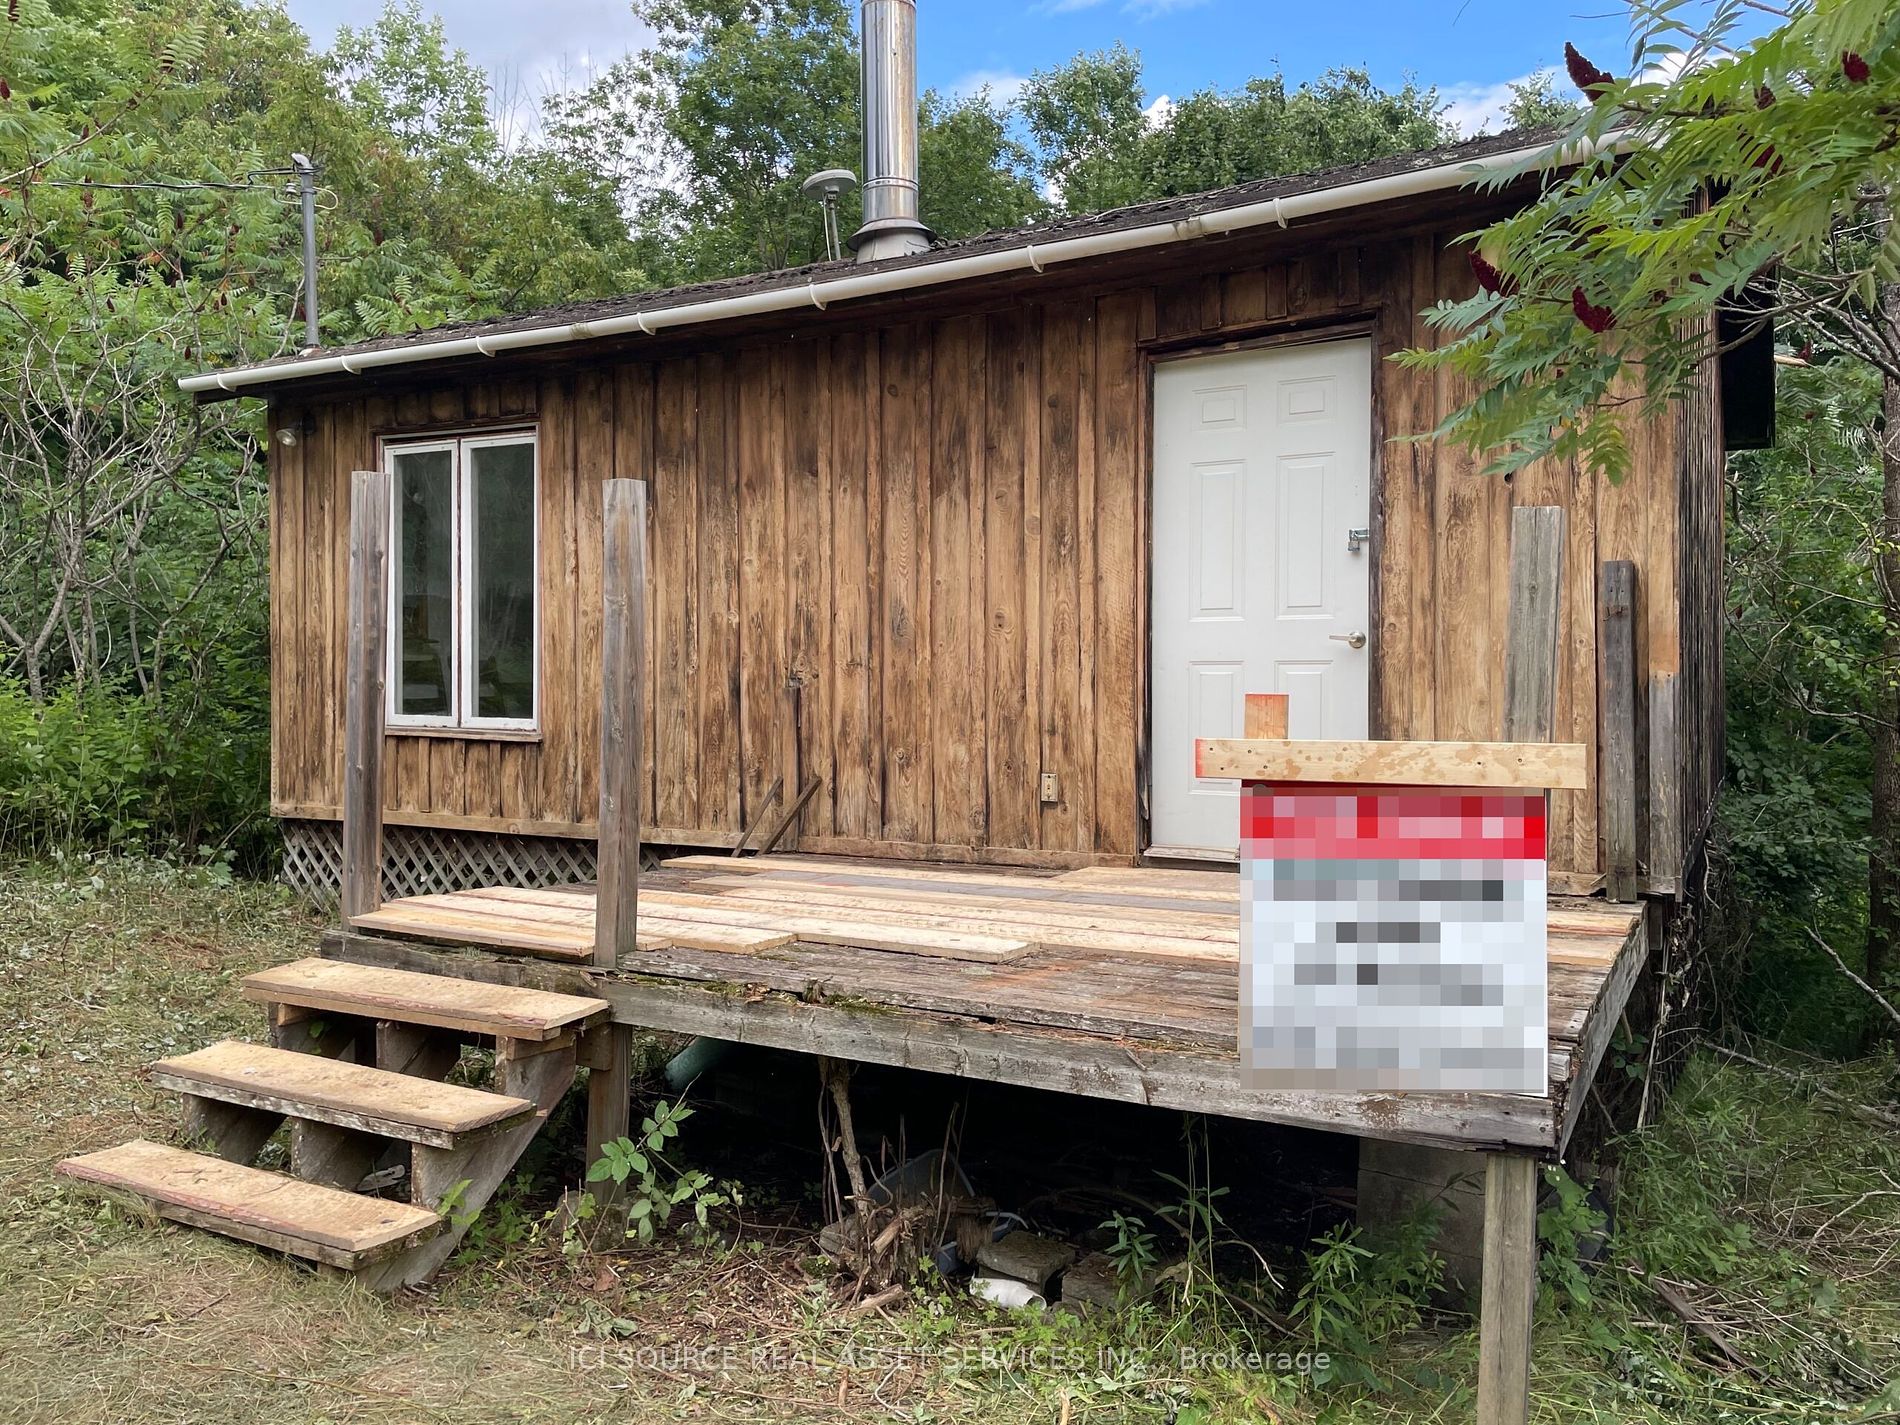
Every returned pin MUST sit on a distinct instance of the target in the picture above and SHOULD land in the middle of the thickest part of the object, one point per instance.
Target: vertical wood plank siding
(910, 560)
(1700, 711)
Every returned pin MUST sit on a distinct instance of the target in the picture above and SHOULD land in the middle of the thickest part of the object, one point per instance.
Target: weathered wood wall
(911, 560)
(1702, 711)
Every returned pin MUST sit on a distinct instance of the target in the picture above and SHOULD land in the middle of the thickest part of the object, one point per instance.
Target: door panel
(1262, 469)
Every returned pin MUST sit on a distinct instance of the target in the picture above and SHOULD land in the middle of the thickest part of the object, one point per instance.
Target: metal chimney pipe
(888, 73)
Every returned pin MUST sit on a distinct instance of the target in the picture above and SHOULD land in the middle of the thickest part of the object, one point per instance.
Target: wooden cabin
(950, 558)
(978, 555)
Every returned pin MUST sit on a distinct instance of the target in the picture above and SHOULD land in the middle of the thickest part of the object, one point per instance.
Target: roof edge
(820, 293)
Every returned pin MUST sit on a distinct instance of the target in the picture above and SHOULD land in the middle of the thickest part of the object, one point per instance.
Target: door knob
(1351, 640)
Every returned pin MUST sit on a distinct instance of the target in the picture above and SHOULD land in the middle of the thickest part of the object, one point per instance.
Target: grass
(1776, 1217)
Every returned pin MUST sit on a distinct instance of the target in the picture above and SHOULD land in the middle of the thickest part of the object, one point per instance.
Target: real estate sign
(1392, 938)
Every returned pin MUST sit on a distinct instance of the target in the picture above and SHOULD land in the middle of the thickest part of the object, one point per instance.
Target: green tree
(975, 175)
(402, 77)
(1805, 674)
(1537, 104)
(145, 232)
(1723, 171)
(1085, 120)
(707, 135)
(750, 98)
(1100, 149)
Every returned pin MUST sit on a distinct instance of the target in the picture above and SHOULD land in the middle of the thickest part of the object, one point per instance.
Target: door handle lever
(1351, 640)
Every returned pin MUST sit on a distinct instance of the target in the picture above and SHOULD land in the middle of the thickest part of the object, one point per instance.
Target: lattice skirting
(424, 860)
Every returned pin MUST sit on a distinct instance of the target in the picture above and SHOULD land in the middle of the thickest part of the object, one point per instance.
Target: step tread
(305, 1219)
(440, 1000)
(334, 1091)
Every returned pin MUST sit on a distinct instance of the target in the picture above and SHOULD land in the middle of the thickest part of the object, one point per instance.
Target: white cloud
(529, 49)
(1478, 108)
(1159, 112)
(1004, 85)
(1064, 7)
(1668, 67)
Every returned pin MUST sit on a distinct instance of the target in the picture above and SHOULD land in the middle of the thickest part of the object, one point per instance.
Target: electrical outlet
(1051, 791)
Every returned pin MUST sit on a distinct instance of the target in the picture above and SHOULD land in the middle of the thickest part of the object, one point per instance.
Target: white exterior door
(1262, 576)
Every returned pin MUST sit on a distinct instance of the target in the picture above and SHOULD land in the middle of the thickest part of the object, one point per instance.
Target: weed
(652, 1185)
(1561, 1227)
(1132, 1252)
(1363, 1289)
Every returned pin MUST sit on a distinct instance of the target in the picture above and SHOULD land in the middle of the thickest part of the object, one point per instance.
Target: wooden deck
(1117, 983)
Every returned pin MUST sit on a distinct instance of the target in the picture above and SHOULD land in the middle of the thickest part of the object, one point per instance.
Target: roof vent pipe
(887, 37)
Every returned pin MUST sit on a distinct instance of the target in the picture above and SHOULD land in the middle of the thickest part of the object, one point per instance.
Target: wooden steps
(469, 1005)
(320, 1090)
(350, 1117)
(322, 1224)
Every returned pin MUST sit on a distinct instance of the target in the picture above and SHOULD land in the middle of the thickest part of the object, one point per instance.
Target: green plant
(451, 1209)
(1132, 1252)
(503, 1223)
(1329, 1306)
(652, 1185)
(1364, 1288)
(1569, 1220)
(1196, 1217)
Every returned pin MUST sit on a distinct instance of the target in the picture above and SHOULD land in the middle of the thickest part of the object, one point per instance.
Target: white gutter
(821, 294)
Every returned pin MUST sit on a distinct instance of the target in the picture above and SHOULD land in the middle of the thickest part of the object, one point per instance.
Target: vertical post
(1508, 1290)
(1665, 784)
(1508, 1275)
(617, 896)
(363, 694)
(1616, 744)
(622, 644)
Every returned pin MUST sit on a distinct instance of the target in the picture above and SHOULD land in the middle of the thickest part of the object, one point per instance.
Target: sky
(1469, 49)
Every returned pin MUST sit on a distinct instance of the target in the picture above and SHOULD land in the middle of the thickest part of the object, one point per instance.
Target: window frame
(461, 719)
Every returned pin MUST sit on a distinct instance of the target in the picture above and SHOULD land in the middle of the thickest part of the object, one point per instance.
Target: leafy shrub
(652, 1184)
(112, 769)
(1363, 1288)
(1804, 681)
(1562, 1227)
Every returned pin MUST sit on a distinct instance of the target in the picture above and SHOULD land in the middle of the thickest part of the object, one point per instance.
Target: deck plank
(1158, 1074)
(1103, 962)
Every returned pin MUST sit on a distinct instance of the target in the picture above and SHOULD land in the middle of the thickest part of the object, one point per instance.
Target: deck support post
(362, 883)
(622, 721)
(1509, 1289)
(1508, 1281)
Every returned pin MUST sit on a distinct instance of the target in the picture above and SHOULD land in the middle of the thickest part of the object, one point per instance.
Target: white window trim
(461, 557)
